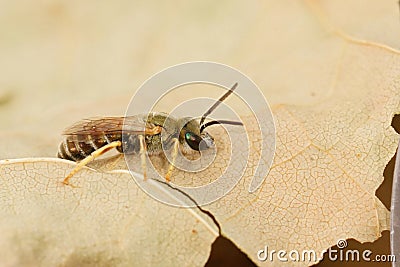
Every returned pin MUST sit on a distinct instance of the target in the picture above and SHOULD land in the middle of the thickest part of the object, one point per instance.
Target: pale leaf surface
(107, 221)
(327, 70)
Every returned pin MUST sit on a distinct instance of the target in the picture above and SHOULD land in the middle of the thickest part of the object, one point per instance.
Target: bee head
(192, 131)
(191, 135)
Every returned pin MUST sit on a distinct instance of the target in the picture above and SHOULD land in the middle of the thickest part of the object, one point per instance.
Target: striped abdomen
(78, 147)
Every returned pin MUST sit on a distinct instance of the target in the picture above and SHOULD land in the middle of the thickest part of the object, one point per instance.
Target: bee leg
(171, 165)
(90, 158)
(143, 156)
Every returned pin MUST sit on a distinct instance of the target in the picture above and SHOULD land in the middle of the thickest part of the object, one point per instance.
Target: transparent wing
(111, 125)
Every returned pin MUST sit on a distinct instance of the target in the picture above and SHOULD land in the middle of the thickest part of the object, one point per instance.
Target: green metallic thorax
(173, 128)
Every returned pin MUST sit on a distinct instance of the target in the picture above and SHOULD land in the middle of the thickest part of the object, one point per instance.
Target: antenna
(213, 107)
(205, 125)
(217, 103)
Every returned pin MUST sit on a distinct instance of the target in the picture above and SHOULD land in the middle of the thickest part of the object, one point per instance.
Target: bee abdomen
(76, 148)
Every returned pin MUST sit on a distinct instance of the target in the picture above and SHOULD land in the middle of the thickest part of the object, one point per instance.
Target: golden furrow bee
(140, 134)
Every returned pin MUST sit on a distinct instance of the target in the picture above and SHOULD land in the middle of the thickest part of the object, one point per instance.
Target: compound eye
(193, 140)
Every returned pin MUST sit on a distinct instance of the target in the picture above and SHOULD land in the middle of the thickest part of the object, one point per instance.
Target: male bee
(90, 138)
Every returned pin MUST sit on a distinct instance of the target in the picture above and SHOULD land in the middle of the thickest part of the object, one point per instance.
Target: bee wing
(109, 125)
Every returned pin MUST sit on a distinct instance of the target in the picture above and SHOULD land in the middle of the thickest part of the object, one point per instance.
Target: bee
(88, 139)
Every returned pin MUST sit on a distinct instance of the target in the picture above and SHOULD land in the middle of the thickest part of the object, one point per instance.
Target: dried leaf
(333, 98)
(109, 220)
